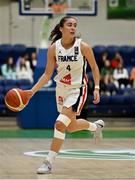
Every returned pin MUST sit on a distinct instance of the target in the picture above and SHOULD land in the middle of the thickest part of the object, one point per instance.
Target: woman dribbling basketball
(71, 55)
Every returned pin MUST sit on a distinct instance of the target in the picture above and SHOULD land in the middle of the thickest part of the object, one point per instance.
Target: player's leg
(67, 117)
(82, 124)
(65, 121)
(62, 122)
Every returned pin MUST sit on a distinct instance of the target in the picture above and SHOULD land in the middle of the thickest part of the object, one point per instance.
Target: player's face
(70, 27)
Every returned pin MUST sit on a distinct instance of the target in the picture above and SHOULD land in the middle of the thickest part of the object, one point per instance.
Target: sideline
(48, 133)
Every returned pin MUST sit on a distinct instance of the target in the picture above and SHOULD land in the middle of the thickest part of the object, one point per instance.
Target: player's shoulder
(52, 47)
(85, 46)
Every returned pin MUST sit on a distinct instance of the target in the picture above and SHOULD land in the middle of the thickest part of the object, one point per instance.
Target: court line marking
(121, 154)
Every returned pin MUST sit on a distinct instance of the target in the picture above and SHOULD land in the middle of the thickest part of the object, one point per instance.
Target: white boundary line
(97, 154)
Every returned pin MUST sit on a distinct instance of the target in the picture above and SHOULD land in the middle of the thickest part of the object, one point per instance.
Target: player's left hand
(96, 96)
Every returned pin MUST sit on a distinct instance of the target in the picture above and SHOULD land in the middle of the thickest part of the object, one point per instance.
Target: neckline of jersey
(68, 48)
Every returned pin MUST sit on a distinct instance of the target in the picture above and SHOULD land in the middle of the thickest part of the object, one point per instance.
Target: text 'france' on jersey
(71, 65)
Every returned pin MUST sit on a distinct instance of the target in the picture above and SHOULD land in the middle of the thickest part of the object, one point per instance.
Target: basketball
(16, 99)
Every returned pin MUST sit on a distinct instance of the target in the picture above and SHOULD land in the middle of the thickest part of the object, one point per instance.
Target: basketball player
(70, 55)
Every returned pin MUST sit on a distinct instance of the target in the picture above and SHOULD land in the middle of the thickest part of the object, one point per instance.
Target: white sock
(51, 156)
(92, 126)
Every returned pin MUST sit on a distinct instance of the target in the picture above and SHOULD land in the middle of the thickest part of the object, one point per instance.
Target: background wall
(94, 30)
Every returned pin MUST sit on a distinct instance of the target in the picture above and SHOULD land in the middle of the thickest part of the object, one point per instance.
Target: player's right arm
(46, 76)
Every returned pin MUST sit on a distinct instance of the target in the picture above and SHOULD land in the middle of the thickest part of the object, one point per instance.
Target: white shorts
(71, 97)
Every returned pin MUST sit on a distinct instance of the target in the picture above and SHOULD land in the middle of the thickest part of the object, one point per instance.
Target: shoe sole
(44, 172)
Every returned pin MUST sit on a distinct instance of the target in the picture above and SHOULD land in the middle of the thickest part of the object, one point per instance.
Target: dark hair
(23, 62)
(56, 33)
(10, 66)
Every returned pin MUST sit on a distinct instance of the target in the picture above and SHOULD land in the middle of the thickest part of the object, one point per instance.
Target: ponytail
(55, 34)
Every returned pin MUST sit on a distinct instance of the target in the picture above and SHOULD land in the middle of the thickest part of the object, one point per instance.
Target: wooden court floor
(15, 165)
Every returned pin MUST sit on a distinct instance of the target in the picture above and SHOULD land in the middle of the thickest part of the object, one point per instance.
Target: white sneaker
(45, 168)
(98, 133)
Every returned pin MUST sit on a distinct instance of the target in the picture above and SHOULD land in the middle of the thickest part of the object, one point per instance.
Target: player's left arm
(89, 55)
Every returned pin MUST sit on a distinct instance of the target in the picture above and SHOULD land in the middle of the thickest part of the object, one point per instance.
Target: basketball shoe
(98, 133)
(45, 168)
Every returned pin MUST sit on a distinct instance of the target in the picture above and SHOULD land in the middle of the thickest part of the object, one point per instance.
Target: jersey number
(68, 68)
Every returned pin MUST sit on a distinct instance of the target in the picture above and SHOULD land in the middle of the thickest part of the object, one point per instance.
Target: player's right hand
(96, 96)
(29, 93)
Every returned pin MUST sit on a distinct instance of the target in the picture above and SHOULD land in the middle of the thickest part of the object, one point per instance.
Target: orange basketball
(16, 99)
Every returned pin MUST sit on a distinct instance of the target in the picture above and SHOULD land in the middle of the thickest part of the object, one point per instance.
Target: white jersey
(71, 65)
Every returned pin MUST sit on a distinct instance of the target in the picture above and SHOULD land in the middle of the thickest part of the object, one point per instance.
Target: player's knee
(60, 126)
(65, 120)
